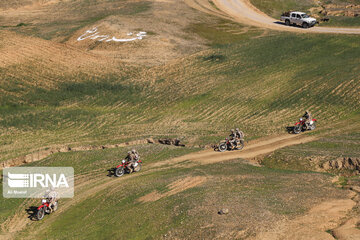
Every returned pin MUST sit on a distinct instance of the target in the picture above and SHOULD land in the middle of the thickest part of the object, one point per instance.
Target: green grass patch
(343, 181)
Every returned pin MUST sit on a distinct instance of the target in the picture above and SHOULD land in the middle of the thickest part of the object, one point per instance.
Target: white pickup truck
(298, 18)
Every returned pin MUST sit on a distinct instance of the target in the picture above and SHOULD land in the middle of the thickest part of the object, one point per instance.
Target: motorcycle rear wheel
(137, 168)
(222, 147)
(55, 207)
(119, 172)
(240, 146)
(40, 214)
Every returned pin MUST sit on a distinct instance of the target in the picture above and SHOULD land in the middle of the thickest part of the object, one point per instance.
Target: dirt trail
(349, 229)
(252, 150)
(244, 12)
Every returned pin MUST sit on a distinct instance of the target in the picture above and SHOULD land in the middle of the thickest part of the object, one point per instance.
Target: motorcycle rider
(232, 138)
(51, 196)
(240, 135)
(135, 154)
(307, 117)
(130, 160)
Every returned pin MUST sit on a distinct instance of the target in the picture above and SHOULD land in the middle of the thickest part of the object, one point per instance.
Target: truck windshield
(304, 16)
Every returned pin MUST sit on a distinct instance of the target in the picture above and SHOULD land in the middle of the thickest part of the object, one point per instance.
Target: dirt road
(251, 150)
(243, 11)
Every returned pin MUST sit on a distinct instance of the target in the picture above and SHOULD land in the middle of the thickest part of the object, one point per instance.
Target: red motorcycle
(45, 208)
(122, 168)
(226, 145)
(302, 126)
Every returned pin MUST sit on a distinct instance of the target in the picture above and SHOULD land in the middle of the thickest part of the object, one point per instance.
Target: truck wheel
(305, 25)
(287, 22)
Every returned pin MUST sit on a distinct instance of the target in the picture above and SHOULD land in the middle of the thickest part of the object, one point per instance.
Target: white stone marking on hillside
(95, 35)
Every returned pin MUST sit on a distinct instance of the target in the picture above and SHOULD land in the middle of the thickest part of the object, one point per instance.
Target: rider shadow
(31, 211)
(290, 129)
(111, 172)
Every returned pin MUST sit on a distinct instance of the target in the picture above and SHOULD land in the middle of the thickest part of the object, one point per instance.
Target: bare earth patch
(348, 231)
(314, 224)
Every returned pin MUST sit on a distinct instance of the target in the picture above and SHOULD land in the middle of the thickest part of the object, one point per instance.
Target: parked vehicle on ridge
(298, 18)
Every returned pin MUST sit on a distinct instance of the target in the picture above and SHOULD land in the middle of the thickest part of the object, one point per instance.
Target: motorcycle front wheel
(119, 172)
(40, 214)
(222, 147)
(312, 126)
(297, 129)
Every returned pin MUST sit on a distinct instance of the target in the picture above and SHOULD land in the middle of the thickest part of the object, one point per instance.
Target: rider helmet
(232, 130)
(237, 129)
(133, 151)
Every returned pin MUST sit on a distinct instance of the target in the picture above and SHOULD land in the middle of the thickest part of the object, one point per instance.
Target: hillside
(192, 76)
(247, 88)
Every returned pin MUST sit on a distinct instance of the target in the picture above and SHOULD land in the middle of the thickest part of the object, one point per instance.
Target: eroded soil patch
(314, 224)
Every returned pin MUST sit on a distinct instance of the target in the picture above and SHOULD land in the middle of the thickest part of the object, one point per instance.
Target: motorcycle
(122, 168)
(226, 145)
(45, 208)
(301, 125)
